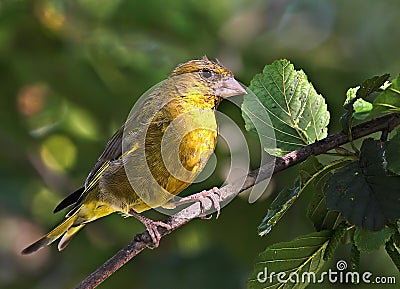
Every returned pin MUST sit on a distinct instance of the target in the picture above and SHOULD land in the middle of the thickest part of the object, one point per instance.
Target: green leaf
(362, 108)
(394, 254)
(317, 211)
(393, 250)
(363, 192)
(337, 236)
(392, 153)
(368, 241)
(351, 95)
(389, 100)
(369, 86)
(298, 257)
(257, 120)
(298, 113)
(347, 118)
(278, 208)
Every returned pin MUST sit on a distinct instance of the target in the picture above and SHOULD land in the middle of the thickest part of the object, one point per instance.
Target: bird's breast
(181, 148)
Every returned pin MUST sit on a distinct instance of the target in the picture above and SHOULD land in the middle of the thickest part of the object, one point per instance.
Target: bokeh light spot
(81, 123)
(31, 99)
(50, 14)
(45, 198)
(58, 153)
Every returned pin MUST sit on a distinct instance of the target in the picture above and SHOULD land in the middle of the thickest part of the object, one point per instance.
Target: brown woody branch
(141, 241)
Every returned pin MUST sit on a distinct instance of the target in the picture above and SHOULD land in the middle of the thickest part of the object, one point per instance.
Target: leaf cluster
(355, 196)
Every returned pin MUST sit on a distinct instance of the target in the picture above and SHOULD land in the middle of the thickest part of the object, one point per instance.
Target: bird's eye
(205, 73)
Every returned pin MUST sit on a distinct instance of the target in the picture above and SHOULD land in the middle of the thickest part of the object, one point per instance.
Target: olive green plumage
(171, 136)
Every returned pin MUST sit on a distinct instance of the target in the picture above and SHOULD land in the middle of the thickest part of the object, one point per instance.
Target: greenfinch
(171, 135)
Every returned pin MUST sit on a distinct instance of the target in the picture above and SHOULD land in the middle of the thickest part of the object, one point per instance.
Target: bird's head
(208, 78)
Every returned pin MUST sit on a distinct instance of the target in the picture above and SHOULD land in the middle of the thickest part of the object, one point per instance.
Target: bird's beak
(228, 86)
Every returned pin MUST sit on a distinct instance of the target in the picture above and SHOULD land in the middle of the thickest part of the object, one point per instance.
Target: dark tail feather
(56, 233)
(69, 200)
(43, 242)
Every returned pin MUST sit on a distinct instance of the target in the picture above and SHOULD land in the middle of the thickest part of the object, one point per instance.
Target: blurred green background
(71, 70)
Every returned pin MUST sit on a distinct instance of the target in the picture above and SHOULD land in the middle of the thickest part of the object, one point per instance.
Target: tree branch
(141, 241)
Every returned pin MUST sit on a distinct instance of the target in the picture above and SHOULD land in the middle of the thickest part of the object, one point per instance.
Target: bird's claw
(151, 227)
(201, 197)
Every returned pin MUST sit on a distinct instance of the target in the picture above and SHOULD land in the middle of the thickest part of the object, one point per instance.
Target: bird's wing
(112, 152)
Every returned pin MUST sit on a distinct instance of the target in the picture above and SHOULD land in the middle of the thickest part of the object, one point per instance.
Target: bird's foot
(151, 226)
(203, 197)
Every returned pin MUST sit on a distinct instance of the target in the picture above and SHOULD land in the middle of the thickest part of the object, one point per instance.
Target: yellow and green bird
(159, 151)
